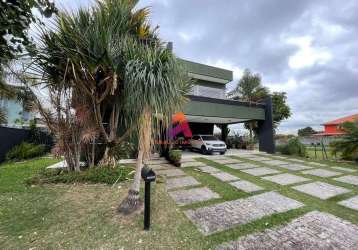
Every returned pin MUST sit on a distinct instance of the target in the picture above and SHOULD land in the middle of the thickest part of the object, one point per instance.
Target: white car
(207, 144)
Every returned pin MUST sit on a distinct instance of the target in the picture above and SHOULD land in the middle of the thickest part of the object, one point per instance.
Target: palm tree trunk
(132, 202)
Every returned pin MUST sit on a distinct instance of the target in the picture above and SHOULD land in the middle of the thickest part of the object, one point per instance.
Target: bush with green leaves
(348, 145)
(24, 151)
(293, 147)
(107, 175)
(175, 156)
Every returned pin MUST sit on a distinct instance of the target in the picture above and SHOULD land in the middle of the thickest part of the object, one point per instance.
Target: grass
(310, 151)
(83, 216)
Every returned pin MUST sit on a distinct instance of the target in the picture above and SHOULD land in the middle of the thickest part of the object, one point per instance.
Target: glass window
(209, 138)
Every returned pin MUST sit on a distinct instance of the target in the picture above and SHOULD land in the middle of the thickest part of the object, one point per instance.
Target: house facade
(208, 105)
(15, 113)
(333, 128)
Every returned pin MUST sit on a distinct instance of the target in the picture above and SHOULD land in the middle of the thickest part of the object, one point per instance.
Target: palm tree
(348, 145)
(249, 89)
(156, 85)
(85, 54)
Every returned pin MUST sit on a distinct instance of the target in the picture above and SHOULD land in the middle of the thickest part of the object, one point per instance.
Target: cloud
(306, 48)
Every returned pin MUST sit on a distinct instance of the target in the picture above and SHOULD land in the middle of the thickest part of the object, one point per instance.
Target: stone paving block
(285, 179)
(260, 171)
(261, 159)
(317, 164)
(227, 161)
(280, 157)
(296, 160)
(350, 179)
(226, 215)
(252, 157)
(321, 172)
(312, 231)
(157, 167)
(157, 161)
(192, 164)
(351, 203)
(321, 190)
(242, 166)
(295, 167)
(276, 162)
(189, 196)
(181, 182)
(208, 169)
(171, 172)
(225, 176)
(246, 186)
(187, 160)
(349, 170)
(235, 161)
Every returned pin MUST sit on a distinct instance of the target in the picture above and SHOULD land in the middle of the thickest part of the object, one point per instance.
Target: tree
(249, 89)
(348, 145)
(157, 84)
(86, 54)
(307, 131)
(15, 18)
(280, 109)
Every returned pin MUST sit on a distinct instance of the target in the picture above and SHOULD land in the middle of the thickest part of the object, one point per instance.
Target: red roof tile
(342, 120)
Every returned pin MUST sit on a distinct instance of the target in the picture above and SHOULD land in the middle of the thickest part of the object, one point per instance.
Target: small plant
(175, 157)
(293, 147)
(107, 175)
(24, 151)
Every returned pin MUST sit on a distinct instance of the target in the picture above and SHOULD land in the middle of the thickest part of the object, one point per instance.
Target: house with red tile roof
(333, 128)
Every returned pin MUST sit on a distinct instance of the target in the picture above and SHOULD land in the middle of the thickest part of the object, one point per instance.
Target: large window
(207, 91)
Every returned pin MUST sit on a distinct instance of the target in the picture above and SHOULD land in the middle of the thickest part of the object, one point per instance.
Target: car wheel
(203, 150)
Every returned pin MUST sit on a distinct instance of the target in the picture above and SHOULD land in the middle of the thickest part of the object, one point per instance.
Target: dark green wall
(200, 108)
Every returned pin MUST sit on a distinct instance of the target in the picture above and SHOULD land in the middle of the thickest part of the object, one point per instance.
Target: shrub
(25, 151)
(107, 175)
(348, 144)
(293, 147)
(175, 157)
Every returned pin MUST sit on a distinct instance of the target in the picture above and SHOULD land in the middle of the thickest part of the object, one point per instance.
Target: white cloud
(307, 55)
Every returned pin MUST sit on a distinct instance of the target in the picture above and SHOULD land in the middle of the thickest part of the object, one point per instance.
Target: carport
(205, 112)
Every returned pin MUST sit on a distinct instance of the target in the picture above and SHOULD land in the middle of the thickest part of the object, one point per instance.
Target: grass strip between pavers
(312, 203)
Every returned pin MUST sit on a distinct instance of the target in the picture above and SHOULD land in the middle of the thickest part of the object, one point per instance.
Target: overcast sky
(307, 48)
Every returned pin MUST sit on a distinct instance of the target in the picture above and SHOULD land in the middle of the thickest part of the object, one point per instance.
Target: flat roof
(215, 74)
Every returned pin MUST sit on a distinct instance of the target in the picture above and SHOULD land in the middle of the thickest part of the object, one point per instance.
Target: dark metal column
(224, 132)
(266, 131)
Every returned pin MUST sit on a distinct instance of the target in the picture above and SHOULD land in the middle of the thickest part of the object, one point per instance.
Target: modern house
(208, 105)
(15, 113)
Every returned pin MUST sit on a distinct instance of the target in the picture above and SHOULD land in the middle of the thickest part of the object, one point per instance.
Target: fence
(10, 137)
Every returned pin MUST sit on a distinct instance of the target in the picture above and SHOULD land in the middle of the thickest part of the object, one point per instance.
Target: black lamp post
(148, 176)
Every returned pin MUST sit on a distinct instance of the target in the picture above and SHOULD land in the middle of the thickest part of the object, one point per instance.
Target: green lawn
(318, 155)
(83, 216)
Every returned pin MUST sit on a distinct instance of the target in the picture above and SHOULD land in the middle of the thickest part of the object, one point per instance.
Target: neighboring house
(208, 105)
(332, 129)
(16, 115)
